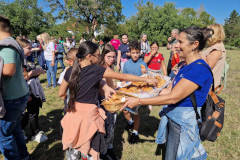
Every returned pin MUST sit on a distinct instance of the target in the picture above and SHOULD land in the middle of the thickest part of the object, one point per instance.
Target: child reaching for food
(107, 60)
(83, 124)
(135, 66)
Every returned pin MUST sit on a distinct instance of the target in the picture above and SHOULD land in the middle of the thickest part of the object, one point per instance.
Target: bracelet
(139, 101)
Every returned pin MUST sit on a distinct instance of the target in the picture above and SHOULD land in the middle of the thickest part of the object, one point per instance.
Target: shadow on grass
(44, 80)
(52, 148)
(148, 127)
(118, 135)
(148, 124)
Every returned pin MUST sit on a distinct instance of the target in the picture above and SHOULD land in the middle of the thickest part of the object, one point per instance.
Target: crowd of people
(90, 77)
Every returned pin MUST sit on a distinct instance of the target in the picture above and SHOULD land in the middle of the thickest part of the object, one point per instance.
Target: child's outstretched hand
(108, 91)
(151, 81)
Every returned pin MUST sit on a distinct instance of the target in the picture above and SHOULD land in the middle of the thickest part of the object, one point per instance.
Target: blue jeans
(12, 142)
(173, 140)
(51, 75)
(189, 146)
(56, 63)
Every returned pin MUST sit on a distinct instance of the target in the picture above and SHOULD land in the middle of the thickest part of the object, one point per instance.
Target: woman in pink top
(115, 42)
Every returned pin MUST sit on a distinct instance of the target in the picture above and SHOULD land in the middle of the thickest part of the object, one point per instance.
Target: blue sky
(219, 9)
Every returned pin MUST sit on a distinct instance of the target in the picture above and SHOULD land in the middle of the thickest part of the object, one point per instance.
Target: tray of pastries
(144, 89)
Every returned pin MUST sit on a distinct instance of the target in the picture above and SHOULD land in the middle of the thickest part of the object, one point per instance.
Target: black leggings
(31, 115)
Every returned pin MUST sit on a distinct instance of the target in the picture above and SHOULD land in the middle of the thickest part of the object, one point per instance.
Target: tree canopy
(232, 29)
(26, 17)
(158, 21)
(89, 12)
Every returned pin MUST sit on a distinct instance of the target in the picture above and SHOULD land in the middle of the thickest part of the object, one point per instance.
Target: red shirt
(155, 62)
(116, 43)
(175, 59)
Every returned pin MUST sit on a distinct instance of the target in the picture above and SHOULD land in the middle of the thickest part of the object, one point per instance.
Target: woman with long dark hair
(83, 125)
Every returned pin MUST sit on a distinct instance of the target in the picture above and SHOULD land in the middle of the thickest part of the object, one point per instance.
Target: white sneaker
(89, 157)
(150, 107)
(40, 137)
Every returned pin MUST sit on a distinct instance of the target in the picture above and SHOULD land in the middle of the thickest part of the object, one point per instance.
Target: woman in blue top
(183, 141)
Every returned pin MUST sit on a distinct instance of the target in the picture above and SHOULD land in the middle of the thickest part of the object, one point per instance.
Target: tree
(26, 17)
(158, 21)
(89, 12)
(232, 29)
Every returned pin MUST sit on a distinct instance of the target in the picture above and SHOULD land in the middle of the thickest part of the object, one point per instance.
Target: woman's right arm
(127, 77)
(118, 60)
(63, 90)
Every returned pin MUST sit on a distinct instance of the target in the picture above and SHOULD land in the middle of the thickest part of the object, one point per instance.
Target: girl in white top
(49, 54)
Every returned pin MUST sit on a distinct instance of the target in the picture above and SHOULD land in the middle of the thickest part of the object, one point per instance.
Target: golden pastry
(142, 66)
(157, 77)
(144, 84)
(118, 101)
(132, 88)
(115, 97)
(147, 89)
(123, 89)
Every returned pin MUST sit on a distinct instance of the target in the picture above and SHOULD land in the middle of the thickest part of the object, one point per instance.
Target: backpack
(212, 112)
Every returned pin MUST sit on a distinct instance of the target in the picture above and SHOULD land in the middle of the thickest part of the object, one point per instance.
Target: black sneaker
(105, 157)
(129, 127)
(133, 139)
(112, 154)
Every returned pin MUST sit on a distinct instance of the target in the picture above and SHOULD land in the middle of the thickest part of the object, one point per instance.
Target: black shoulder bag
(212, 113)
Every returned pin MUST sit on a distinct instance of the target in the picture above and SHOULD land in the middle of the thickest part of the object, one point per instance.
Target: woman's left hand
(130, 103)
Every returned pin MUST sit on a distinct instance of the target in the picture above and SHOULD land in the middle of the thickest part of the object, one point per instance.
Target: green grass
(227, 146)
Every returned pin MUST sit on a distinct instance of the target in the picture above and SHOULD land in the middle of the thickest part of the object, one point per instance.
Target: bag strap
(194, 102)
(193, 97)
(218, 89)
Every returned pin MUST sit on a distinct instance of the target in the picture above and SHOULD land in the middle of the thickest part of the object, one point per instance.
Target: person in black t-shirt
(83, 80)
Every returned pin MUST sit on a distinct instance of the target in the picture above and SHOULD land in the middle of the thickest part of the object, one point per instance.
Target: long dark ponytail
(84, 49)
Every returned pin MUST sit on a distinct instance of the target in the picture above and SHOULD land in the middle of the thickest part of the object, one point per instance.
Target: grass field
(227, 146)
